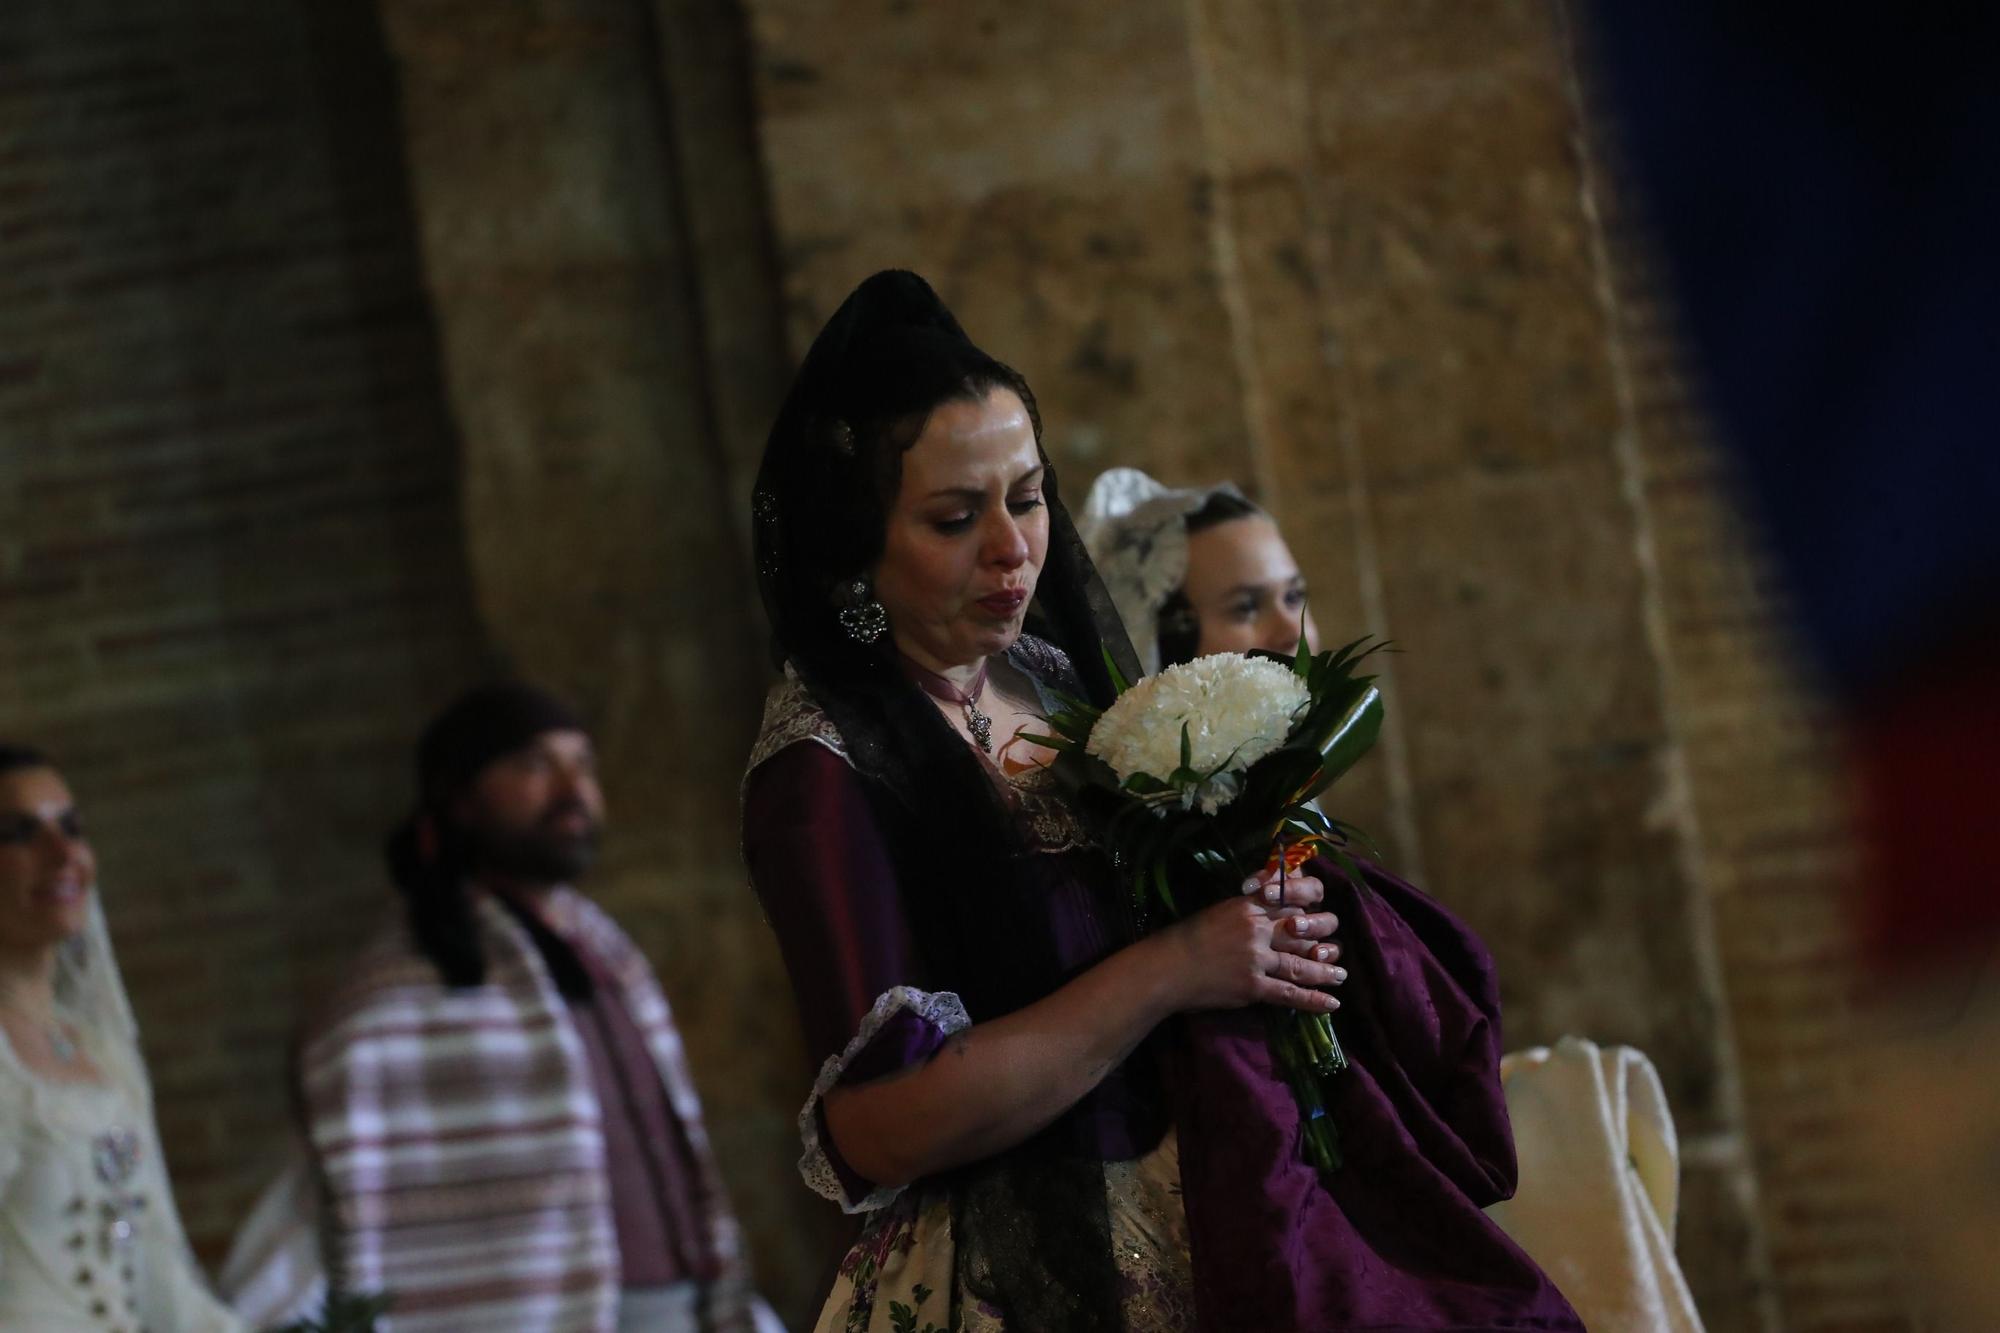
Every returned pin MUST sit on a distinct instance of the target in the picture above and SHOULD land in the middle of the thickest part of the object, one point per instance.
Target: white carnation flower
(1236, 709)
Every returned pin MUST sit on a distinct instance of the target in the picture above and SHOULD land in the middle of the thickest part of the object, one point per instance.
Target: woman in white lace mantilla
(89, 1236)
(1203, 570)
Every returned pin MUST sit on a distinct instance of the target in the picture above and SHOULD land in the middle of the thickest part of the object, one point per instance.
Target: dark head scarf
(14, 758)
(427, 853)
(486, 723)
(889, 356)
(1031, 1223)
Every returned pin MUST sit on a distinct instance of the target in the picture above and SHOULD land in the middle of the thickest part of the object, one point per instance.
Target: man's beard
(539, 855)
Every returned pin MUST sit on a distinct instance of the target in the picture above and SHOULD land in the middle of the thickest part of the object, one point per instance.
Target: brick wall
(231, 578)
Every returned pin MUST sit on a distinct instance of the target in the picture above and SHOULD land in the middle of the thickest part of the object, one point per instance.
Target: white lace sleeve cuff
(942, 1012)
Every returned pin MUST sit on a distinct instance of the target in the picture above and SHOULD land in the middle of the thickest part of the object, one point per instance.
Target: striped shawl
(458, 1142)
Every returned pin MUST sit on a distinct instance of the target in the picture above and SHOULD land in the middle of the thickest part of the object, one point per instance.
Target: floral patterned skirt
(900, 1276)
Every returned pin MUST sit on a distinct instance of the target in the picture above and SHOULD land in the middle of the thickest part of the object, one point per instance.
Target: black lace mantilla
(1049, 822)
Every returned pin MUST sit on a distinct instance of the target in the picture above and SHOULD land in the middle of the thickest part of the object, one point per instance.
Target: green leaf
(1313, 820)
(1077, 726)
(1127, 828)
(1117, 677)
(1187, 747)
(1348, 867)
(1071, 704)
(1354, 833)
(1165, 892)
(1353, 737)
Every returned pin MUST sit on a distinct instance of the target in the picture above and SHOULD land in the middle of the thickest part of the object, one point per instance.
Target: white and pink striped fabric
(457, 1140)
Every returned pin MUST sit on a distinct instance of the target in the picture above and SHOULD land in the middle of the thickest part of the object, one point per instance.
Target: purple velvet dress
(1395, 1241)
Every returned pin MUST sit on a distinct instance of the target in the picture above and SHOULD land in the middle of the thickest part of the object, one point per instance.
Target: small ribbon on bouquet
(1290, 857)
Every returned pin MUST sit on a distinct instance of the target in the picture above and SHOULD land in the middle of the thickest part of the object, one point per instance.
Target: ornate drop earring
(862, 617)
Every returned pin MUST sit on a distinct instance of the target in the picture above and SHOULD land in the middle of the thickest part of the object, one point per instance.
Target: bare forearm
(998, 1082)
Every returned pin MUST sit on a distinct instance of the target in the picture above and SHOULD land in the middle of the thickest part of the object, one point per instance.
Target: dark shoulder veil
(1031, 1223)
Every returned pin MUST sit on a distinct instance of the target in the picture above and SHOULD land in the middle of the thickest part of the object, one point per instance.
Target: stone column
(1407, 197)
(588, 216)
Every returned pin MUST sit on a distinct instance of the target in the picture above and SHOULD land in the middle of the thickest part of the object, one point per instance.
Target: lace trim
(1048, 665)
(791, 716)
(941, 1009)
(1136, 532)
(1052, 825)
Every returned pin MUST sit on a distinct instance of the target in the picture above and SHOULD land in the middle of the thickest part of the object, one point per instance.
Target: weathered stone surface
(1045, 177)
(1367, 285)
(1762, 773)
(604, 439)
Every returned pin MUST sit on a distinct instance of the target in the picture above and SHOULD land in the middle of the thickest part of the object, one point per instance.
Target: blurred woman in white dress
(89, 1237)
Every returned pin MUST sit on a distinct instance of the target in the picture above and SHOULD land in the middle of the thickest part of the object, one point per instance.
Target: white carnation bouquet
(1211, 771)
(1209, 719)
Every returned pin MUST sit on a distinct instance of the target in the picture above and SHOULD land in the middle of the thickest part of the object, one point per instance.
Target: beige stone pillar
(588, 226)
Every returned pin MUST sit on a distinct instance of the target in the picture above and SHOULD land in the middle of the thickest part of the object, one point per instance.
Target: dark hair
(888, 358)
(14, 758)
(429, 878)
(838, 490)
(440, 915)
(1032, 1219)
(430, 858)
(1179, 627)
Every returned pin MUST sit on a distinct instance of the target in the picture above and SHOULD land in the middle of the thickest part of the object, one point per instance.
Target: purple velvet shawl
(1395, 1241)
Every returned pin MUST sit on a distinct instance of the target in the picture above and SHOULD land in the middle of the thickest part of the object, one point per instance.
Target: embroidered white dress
(88, 1236)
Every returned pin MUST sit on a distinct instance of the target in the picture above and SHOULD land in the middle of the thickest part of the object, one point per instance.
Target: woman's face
(966, 535)
(1246, 590)
(47, 870)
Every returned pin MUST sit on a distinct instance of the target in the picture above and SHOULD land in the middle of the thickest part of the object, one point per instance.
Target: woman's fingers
(1289, 954)
(1308, 949)
(1307, 934)
(1272, 991)
(1303, 891)
(1305, 971)
(1276, 890)
(1306, 926)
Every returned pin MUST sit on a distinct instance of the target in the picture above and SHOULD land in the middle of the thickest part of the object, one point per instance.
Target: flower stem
(1307, 1052)
(1322, 1044)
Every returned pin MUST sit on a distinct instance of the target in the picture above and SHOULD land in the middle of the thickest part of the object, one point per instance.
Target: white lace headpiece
(1136, 531)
